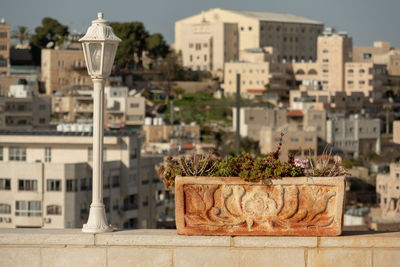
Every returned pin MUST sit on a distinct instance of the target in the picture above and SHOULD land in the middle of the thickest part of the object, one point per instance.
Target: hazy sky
(365, 20)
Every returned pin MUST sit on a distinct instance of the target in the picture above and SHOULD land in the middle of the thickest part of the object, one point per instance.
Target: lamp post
(99, 47)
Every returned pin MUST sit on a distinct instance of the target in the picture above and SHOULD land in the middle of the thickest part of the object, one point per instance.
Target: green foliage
(50, 31)
(22, 34)
(251, 169)
(156, 46)
(133, 36)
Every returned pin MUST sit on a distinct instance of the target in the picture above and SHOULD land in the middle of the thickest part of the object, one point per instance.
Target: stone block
(275, 241)
(386, 258)
(159, 238)
(45, 236)
(210, 257)
(300, 206)
(66, 257)
(139, 257)
(348, 257)
(272, 258)
(19, 257)
(364, 240)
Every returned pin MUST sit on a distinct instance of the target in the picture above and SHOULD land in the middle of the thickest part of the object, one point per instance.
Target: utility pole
(237, 114)
(171, 117)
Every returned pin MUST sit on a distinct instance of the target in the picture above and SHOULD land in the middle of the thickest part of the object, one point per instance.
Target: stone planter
(301, 206)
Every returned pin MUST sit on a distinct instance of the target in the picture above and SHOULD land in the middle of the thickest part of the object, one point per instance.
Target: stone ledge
(169, 238)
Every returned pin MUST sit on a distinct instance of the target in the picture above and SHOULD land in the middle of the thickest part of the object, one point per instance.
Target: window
(42, 107)
(1, 153)
(325, 60)
(72, 185)
(3, 47)
(134, 105)
(115, 205)
(28, 208)
(47, 154)
(362, 71)
(27, 185)
(205, 45)
(106, 201)
(115, 181)
(361, 82)
(5, 184)
(350, 82)
(325, 51)
(367, 55)
(294, 139)
(17, 153)
(350, 71)
(325, 71)
(360, 130)
(3, 34)
(198, 46)
(53, 210)
(53, 185)
(5, 209)
(308, 139)
(3, 63)
(84, 184)
(205, 57)
(90, 154)
(190, 45)
(61, 63)
(241, 28)
(250, 28)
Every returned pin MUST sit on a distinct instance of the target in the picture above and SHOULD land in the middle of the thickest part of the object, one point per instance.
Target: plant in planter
(244, 195)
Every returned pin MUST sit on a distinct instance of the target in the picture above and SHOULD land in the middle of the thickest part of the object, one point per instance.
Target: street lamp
(99, 47)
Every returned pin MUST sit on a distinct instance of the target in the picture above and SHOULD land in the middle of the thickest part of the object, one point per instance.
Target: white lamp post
(99, 47)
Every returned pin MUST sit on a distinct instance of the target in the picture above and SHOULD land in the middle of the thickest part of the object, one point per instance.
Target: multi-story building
(63, 68)
(46, 180)
(24, 109)
(211, 38)
(304, 130)
(176, 134)
(354, 136)
(4, 47)
(388, 191)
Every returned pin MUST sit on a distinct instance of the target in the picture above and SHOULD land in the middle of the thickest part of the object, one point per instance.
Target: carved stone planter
(300, 206)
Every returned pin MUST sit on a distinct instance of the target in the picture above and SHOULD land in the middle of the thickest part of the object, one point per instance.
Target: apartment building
(46, 180)
(176, 134)
(24, 109)
(63, 68)
(354, 136)
(121, 110)
(216, 36)
(388, 192)
(4, 47)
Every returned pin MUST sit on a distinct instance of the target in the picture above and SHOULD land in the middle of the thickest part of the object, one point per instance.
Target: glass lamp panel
(109, 55)
(95, 57)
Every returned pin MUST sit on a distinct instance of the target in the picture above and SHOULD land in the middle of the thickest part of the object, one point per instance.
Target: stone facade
(4, 48)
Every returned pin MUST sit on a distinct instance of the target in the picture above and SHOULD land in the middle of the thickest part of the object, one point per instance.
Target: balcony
(71, 247)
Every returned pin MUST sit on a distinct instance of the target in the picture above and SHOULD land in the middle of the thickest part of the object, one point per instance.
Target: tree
(21, 33)
(156, 46)
(172, 70)
(133, 36)
(50, 31)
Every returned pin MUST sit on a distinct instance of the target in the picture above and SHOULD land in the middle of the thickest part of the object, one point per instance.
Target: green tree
(50, 31)
(156, 46)
(22, 34)
(133, 36)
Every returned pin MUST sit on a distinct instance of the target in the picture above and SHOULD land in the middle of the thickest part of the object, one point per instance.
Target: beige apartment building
(23, 109)
(265, 126)
(63, 68)
(388, 192)
(121, 110)
(176, 134)
(216, 36)
(4, 47)
(46, 180)
(354, 136)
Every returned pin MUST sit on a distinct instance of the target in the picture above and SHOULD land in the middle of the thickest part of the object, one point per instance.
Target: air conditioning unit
(47, 220)
(7, 220)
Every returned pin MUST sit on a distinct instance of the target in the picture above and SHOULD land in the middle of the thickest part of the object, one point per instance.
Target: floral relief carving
(259, 207)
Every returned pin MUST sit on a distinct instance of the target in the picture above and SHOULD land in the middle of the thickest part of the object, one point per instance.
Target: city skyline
(375, 21)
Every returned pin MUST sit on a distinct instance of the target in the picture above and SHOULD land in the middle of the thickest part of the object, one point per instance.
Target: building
(354, 136)
(4, 47)
(24, 109)
(46, 180)
(63, 68)
(176, 134)
(388, 192)
(211, 38)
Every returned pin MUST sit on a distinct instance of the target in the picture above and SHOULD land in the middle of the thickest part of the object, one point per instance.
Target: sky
(365, 20)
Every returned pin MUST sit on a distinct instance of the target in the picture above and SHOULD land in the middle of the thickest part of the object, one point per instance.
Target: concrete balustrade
(71, 247)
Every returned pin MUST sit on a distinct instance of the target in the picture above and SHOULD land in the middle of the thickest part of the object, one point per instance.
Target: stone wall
(31, 247)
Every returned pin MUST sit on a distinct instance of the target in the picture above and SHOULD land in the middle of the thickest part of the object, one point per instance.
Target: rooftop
(60, 133)
(274, 16)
